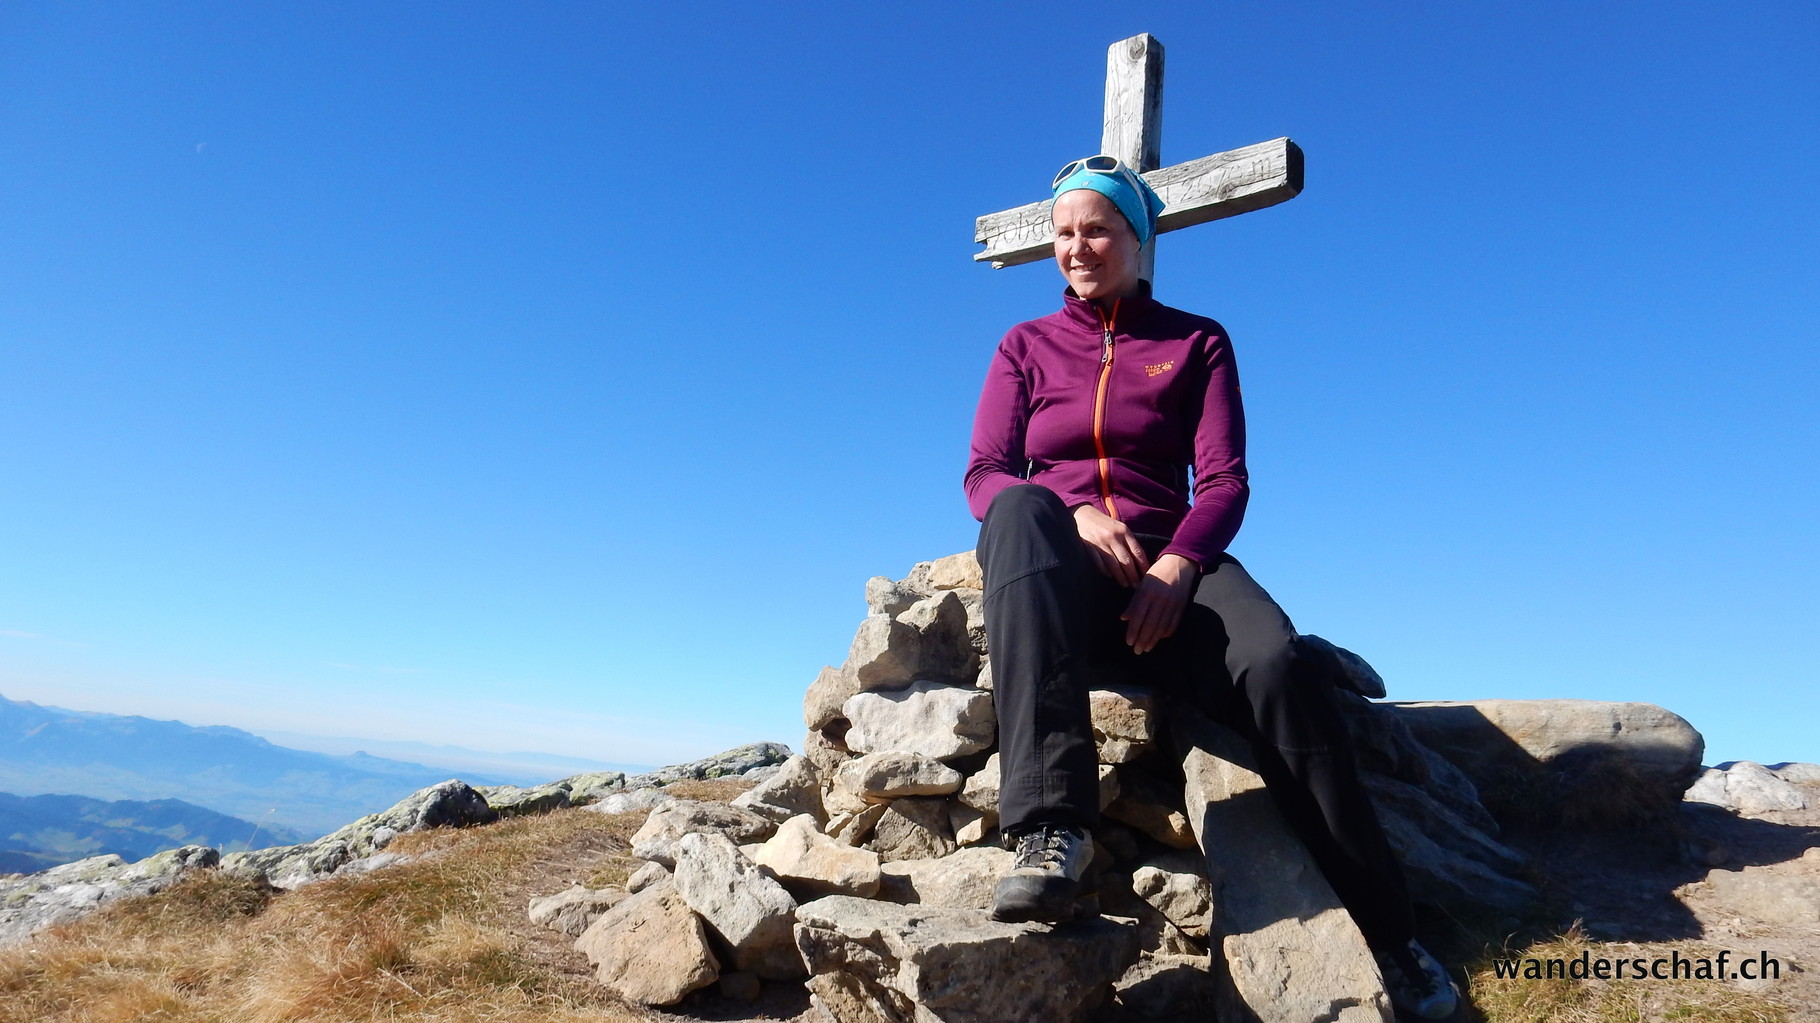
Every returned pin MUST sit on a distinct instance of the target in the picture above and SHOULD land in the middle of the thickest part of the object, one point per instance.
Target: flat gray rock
(750, 911)
(871, 962)
(650, 949)
(574, 910)
(73, 890)
(930, 718)
(1293, 953)
(658, 841)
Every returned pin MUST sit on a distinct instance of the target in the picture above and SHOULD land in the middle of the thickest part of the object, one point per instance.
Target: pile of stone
(866, 863)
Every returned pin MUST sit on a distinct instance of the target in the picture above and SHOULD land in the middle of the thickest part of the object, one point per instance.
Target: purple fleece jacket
(1120, 435)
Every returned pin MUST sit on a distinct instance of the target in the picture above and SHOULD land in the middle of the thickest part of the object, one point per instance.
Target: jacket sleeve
(996, 459)
(1221, 485)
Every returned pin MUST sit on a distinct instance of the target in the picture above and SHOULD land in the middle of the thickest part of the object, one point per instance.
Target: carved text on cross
(1210, 188)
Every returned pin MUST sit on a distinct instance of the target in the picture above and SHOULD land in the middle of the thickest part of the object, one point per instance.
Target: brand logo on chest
(1159, 368)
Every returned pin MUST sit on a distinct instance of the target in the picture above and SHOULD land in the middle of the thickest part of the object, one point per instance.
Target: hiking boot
(1046, 877)
(1418, 985)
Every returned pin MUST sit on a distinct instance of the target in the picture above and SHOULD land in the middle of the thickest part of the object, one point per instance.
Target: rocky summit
(858, 871)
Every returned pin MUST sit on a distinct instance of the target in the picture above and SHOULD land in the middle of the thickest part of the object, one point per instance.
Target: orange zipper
(1099, 411)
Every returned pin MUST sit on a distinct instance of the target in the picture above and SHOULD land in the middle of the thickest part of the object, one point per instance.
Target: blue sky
(552, 376)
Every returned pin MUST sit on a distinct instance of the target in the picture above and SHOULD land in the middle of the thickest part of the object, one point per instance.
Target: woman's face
(1094, 245)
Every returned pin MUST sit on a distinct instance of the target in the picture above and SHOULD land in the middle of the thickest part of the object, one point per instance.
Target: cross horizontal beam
(1210, 188)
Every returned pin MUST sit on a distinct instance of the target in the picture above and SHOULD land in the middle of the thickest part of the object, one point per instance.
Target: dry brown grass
(442, 939)
(1518, 1000)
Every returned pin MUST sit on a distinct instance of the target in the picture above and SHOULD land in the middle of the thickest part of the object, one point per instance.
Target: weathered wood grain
(1133, 126)
(1210, 188)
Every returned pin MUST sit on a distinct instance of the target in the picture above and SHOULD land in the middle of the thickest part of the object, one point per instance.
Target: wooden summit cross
(1210, 188)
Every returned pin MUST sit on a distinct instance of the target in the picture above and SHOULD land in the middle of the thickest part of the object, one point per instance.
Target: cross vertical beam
(1133, 126)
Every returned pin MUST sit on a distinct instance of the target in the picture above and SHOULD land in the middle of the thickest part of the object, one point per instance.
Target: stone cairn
(864, 864)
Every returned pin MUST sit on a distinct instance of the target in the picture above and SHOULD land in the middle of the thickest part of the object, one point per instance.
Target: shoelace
(1042, 849)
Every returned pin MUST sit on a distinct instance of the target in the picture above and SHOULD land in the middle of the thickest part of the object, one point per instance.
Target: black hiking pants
(1052, 622)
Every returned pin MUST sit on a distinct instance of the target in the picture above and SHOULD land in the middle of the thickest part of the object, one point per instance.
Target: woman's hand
(1156, 608)
(1116, 552)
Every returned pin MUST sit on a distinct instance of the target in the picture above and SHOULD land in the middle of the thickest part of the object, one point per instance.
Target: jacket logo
(1158, 368)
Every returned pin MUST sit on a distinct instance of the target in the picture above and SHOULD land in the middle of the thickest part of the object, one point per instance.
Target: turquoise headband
(1131, 194)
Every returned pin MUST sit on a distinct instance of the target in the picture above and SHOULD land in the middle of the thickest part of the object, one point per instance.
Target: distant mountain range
(47, 750)
(37, 832)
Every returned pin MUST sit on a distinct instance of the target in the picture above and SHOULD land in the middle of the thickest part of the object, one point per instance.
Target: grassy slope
(444, 938)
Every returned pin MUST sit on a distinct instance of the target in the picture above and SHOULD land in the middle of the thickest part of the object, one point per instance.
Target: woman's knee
(1024, 502)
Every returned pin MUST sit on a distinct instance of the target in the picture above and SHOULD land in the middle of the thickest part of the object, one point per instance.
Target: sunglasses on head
(1108, 165)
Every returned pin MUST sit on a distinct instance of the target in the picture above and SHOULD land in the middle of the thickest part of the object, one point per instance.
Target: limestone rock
(975, 604)
(650, 948)
(635, 801)
(913, 828)
(980, 790)
(1567, 761)
(664, 829)
(855, 827)
(970, 826)
(963, 879)
(956, 571)
(1145, 804)
(447, 804)
(574, 910)
(887, 597)
(984, 679)
(824, 697)
(873, 962)
(1293, 952)
(1176, 884)
(811, 864)
(1449, 863)
(752, 912)
(936, 720)
(71, 891)
(894, 773)
(794, 789)
(646, 876)
(944, 650)
(1352, 671)
(1766, 895)
(885, 653)
(1747, 788)
(826, 749)
(1160, 986)
(1124, 723)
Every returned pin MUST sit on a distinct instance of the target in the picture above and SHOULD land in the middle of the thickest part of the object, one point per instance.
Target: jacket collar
(1132, 310)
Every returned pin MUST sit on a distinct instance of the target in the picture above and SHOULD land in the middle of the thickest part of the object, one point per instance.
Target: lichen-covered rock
(593, 785)
(872, 962)
(513, 801)
(447, 804)
(730, 764)
(73, 890)
(651, 948)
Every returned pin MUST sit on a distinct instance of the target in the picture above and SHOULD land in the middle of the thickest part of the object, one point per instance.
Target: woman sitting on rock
(1095, 561)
